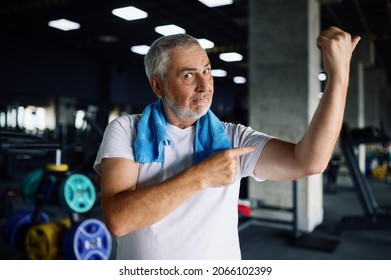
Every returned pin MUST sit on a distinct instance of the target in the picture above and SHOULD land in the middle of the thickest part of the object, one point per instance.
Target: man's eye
(187, 76)
(206, 71)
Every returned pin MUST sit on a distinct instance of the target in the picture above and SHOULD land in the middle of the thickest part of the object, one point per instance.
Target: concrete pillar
(385, 105)
(364, 56)
(284, 64)
(375, 80)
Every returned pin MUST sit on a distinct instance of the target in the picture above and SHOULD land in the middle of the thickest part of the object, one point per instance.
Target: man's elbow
(121, 226)
(116, 228)
(316, 167)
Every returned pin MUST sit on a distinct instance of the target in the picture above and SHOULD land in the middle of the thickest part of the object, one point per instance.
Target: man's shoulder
(233, 127)
(126, 123)
(127, 119)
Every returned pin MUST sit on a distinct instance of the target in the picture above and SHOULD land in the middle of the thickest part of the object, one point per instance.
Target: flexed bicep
(279, 161)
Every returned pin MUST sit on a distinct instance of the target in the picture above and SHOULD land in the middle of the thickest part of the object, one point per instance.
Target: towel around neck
(152, 135)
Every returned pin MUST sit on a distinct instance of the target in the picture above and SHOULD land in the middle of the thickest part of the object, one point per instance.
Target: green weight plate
(77, 193)
(29, 186)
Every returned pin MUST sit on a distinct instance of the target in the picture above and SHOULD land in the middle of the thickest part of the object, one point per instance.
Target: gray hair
(156, 61)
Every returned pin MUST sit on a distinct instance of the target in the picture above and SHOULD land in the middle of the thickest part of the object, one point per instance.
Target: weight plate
(77, 193)
(379, 172)
(30, 184)
(63, 167)
(17, 224)
(44, 241)
(89, 240)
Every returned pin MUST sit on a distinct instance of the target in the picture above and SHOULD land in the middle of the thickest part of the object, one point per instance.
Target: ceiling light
(216, 3)
(129, 13)
(239, 80)
(169, 29)
(231, 56)
(141, 49)
(218, 73)
(64, 24)
(322, 77)
(206, 44)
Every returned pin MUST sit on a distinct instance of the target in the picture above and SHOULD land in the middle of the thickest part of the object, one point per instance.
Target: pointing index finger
(242, 150)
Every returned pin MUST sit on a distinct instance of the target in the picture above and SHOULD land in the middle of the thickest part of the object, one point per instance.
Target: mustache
(201, 96)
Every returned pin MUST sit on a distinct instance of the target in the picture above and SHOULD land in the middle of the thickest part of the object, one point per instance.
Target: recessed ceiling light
(322, 77)
(239, 80)
(218, 73)
(129, 13)
(231, 56)
(64, 24)
(169, 29)
(141, 49)
(206, 44)
(216, 3)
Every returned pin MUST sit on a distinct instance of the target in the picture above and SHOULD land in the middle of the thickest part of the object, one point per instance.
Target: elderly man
(170, 177)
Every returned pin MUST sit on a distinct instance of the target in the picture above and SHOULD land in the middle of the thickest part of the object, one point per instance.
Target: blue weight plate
(17, 224)
(89, 240)
(77, 193)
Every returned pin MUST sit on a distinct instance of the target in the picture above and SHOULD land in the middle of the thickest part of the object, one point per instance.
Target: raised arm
(281, 160)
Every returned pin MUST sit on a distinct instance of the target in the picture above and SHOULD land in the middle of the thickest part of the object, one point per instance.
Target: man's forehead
(189, 58)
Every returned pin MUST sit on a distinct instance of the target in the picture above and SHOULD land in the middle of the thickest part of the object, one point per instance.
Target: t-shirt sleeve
(246, 136)
(117, 140)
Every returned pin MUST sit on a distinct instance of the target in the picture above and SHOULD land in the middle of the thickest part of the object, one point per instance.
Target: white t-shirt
(205, 226)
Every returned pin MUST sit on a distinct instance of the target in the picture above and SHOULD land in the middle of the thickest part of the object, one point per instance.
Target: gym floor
(262, 241)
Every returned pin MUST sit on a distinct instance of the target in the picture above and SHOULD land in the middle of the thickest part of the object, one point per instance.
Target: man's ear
(157, 86)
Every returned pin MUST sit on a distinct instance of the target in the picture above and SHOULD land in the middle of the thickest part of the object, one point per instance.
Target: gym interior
(61, 87)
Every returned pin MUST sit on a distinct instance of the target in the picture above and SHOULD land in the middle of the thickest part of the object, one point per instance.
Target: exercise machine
(374, 217)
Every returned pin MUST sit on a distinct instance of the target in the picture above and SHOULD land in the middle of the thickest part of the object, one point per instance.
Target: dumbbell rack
(88, 239)
(30, 230)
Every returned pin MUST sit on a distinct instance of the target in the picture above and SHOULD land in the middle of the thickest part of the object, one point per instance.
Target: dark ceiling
(26, 21)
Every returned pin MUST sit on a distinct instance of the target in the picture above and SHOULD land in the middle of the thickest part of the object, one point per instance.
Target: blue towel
(152, 135)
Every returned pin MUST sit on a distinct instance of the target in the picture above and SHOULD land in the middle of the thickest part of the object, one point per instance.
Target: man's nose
(203, 82)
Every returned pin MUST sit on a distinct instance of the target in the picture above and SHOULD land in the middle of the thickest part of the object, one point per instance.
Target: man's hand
(337, 47)
(221, 168)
